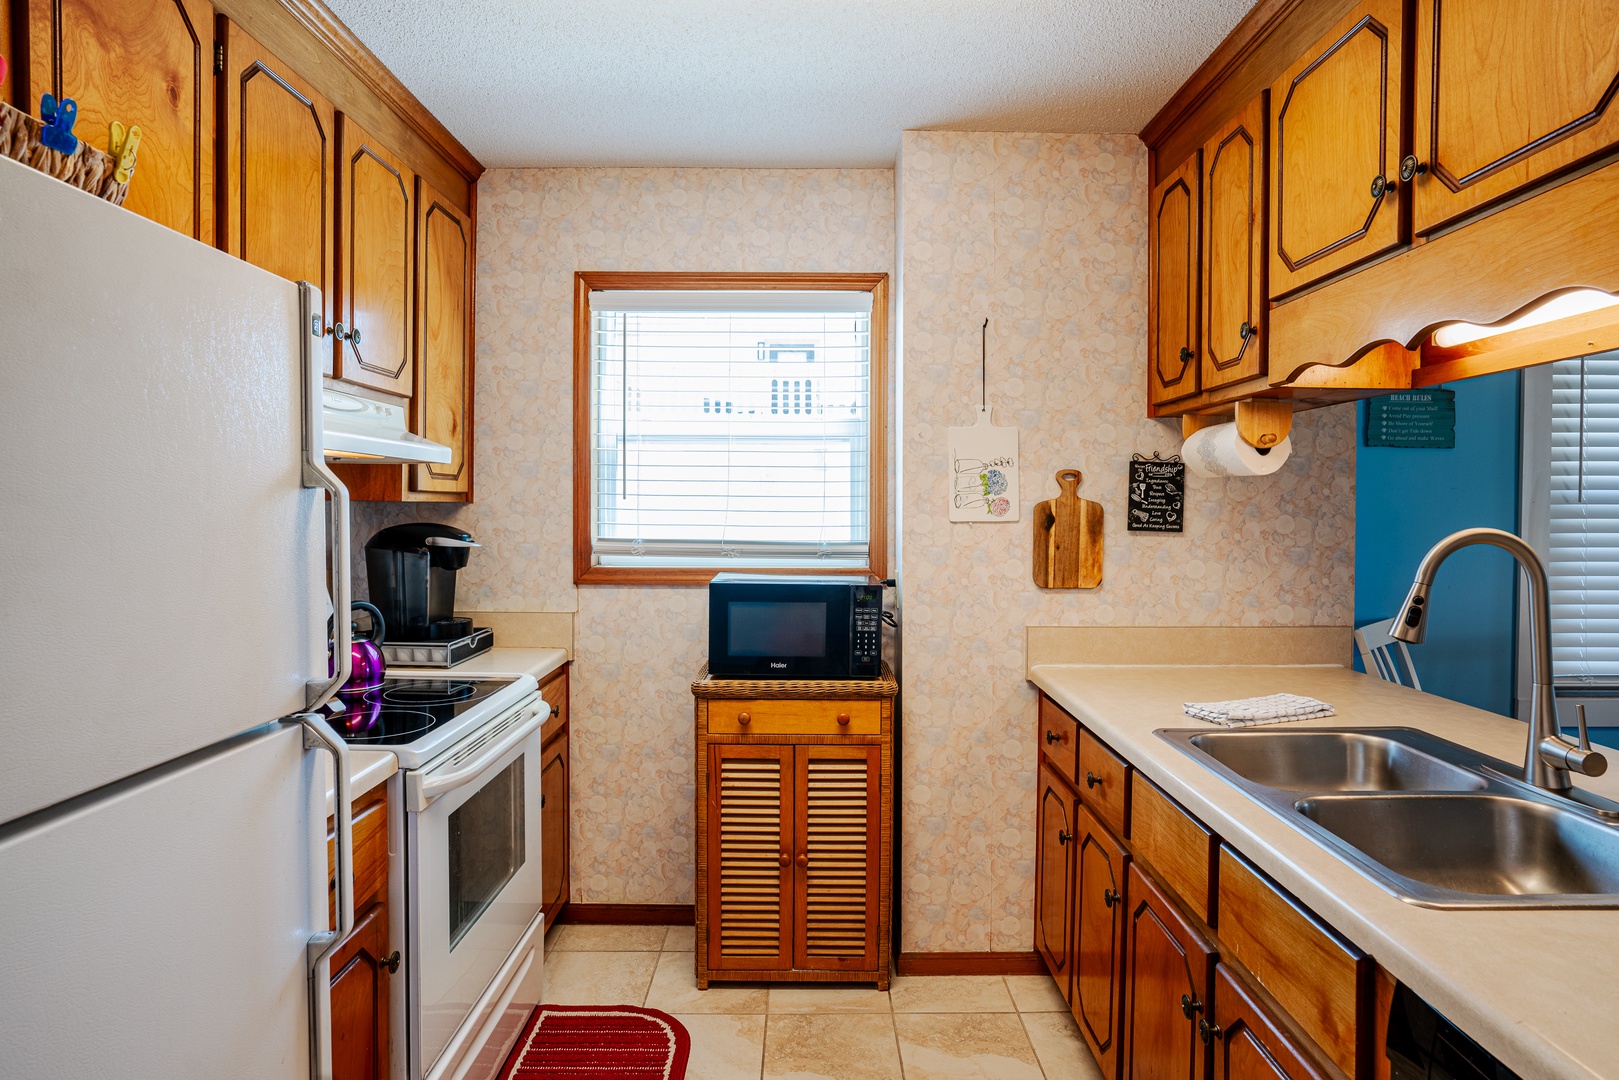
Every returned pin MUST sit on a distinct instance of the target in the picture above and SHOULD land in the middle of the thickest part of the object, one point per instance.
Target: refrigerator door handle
(318, 474)
(318, 735)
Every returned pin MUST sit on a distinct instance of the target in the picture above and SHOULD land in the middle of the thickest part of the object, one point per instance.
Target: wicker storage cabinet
(794, 829)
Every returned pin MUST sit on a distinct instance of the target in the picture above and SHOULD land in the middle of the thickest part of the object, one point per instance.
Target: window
(1584, 519)
(728, 422)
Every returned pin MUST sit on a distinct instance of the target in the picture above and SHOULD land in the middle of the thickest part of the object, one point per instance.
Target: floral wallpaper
(635, 649)
(1046, 236)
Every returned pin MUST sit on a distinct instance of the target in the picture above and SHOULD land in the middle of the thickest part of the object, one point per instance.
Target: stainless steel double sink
(1433, 822)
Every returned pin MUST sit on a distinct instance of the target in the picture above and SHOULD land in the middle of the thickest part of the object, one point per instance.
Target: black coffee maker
(411, 573)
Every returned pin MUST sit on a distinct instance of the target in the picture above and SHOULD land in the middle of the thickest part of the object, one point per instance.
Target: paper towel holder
(1261, 422)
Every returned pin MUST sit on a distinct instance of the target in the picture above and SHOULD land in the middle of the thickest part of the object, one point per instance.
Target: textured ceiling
(776, 83)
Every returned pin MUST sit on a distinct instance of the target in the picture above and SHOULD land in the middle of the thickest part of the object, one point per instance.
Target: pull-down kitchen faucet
(1549, 758)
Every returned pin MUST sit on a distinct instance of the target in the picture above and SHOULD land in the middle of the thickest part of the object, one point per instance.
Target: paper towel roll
(1220, 451)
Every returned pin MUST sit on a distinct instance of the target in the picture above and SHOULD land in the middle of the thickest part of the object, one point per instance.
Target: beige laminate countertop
(368, 768)
(1539, 989)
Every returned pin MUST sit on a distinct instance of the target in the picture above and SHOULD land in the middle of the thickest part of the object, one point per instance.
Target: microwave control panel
(868, 633)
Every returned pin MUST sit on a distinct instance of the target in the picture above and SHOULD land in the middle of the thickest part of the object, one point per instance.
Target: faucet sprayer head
(1411, 624)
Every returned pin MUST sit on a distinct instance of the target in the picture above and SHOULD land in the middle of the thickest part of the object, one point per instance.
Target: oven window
(776, 628)
(487, 847)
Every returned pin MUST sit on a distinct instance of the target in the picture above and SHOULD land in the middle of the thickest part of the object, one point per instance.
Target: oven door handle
(425, 787)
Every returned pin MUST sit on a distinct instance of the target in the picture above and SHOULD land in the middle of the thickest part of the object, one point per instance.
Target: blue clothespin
(59, 117)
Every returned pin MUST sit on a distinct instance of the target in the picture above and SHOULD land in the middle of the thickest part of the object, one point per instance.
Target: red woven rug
(599, 1042)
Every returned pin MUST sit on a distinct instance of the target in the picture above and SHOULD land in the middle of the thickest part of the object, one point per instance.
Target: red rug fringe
(599, 1042)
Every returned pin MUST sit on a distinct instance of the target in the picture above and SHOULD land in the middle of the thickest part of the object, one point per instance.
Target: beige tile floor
(924, 1028)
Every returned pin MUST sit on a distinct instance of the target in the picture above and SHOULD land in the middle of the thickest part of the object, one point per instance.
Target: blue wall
(1405, 500)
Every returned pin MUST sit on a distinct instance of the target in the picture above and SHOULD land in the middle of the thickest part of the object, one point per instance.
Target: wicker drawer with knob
(784, 717)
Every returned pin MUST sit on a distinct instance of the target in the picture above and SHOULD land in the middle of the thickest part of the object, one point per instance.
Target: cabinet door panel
(375, 216)
(1168, 977)
(1335, 147)
(838, 806)
(443, 339)
(1056, 844)
(750, 844)
(1509, 92)
(1099, 886)
(360, 1000)
(280, 160)
(141, 62)
(554, 826)
(1172, 270)
(1248, 1043)
(1234, 302)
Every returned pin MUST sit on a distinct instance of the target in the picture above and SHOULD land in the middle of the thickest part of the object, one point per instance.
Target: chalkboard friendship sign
(1157, 494)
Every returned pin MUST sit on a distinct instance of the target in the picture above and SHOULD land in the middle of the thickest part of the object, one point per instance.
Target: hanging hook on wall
(983, 366)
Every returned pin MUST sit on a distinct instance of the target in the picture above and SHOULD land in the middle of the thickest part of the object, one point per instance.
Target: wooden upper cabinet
(376, 219)
(1507, 93)
(1055, 847)
(8, 92)
(1335, 149)
(1234, 300)
(280, 152)
(1172, 345)
(443, 339)
(1169, 972)
(1248, 1042)
(1098, 939)
(750, 837)
(836, 885)
(140, 62)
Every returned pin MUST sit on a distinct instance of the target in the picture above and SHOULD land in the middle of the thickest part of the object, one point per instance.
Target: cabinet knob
(744, 718)
(1091, 779)
(1411, 168)
(803, 859)
(1247, 330)
(354, 336)
(1186, 354)
(1380, 185)
(391, 964)
(843, 718)
(1109, 897)
(1208, 1032)
(1190, 1006)
(1052, 737)
(556, 711)
(1063, 836)
(785, 858)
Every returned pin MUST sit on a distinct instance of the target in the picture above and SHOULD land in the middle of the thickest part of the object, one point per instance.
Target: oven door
(473, 878)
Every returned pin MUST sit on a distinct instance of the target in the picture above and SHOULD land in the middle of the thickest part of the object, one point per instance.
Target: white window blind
(1584, 500)
(730, 428)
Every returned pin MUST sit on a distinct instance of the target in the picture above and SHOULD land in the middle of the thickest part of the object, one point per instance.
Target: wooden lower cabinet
(1248, 1042)
(1169, 973)
(554, 826)
(1098, 902)
(1054, 870)
(361, 971)
(794, 856)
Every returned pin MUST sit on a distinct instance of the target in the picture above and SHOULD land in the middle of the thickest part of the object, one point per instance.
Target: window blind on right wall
(1584, 526)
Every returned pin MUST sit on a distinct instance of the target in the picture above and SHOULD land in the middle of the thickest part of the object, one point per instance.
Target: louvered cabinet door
(750, 865)
(836, 881)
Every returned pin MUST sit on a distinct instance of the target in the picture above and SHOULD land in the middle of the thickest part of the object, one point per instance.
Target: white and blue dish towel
(1254, 711)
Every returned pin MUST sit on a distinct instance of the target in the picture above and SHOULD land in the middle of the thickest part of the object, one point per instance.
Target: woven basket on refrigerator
(86, 168)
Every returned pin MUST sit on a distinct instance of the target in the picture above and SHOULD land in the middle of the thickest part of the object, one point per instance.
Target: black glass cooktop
(401, 711)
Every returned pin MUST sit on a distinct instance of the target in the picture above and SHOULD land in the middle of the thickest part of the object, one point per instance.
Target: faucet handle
(1585, 732)
(1558, 753)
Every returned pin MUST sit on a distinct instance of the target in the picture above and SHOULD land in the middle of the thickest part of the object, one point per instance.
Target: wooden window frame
(585, 569)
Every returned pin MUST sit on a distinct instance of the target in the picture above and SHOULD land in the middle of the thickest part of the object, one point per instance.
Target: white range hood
(361, 430)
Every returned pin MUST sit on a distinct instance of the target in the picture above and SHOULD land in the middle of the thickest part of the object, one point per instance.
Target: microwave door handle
(425, 787)
(317, 474)
(318, 735)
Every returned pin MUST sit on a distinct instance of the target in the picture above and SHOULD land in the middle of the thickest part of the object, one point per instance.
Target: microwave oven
(794, 627)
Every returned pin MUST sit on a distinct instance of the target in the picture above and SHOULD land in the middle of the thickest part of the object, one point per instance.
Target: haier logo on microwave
(778, 664)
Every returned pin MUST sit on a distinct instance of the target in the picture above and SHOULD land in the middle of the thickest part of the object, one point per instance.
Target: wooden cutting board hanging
(1068, 538)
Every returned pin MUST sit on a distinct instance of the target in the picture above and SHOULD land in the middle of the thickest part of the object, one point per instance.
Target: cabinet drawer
(1314, 975)
(769, 717)
(1175, 844)
(555, 692)
(1102, 782)
(1059, 737)
(370, 817)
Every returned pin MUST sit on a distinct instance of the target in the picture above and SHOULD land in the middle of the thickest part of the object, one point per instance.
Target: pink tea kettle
(366, 660)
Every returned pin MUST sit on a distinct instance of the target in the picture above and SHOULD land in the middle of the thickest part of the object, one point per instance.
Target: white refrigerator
(163, 595)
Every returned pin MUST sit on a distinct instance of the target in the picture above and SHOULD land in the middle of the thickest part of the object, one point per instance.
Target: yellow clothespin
(122, 144)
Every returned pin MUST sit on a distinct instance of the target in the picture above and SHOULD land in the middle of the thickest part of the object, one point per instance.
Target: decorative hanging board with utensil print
(1068, 538)
(1157, 501)
(983, 472)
